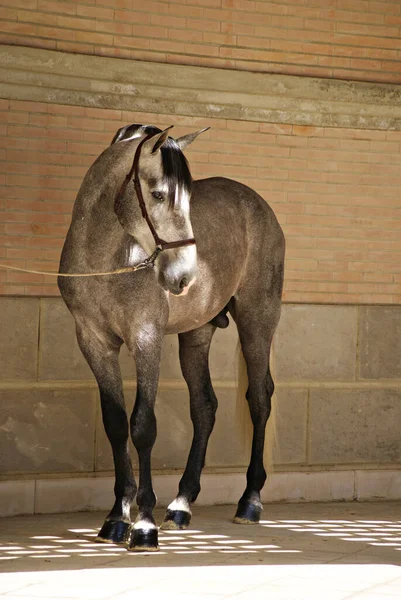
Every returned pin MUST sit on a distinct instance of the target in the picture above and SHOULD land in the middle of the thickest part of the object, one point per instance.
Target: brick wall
(335, 192)
(346, 39)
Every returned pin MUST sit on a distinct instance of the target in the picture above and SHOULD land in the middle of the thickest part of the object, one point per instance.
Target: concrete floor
(299, 551)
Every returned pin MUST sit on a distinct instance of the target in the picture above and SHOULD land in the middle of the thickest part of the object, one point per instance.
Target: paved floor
(299, 551)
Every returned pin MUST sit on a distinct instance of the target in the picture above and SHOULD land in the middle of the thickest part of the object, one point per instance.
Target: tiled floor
(299, 551)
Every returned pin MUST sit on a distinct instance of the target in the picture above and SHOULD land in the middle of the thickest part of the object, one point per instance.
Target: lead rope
(160, 244)
(147, 263)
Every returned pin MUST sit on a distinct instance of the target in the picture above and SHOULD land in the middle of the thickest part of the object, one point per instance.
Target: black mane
(175, 165)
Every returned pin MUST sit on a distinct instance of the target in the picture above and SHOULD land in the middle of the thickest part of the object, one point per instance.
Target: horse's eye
(158, 196)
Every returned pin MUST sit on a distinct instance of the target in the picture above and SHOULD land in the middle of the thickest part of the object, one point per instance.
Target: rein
(160, 243)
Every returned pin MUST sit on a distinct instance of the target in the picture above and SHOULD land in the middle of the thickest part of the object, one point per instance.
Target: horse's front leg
(194, 353)
(102, 357)
(147, 351)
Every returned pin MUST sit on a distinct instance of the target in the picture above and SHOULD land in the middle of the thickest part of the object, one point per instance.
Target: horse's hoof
(143, 540)
(248, 514)
(176, 519)
(114, 532)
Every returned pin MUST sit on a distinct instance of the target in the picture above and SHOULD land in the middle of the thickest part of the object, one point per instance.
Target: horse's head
(164, 181)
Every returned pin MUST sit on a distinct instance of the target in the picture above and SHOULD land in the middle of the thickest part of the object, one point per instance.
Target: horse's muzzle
(180, 286)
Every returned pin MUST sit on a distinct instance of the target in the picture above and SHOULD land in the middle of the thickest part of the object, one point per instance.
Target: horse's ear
(127, 132)
(154, 143)
(119, 135)
(185, 140)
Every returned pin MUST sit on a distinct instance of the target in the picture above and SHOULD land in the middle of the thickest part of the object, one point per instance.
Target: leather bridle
(160, 244)
(134, 172)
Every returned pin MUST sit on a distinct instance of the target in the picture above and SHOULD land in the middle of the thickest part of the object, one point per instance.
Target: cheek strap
(134, 171)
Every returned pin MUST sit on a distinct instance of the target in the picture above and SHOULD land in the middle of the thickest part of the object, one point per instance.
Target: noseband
(160, 243)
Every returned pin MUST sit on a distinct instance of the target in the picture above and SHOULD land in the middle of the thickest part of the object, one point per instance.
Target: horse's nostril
(183, 283)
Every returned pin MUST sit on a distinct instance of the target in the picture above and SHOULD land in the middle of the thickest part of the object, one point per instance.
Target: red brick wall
(335, 191)
(347, 39)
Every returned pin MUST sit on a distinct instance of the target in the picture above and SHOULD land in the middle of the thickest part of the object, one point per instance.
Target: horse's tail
(244, 417)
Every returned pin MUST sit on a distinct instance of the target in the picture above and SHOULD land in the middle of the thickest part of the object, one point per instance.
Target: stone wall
(338, 407)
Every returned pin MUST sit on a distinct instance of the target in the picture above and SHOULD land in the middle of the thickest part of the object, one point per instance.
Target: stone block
(170, 363)
(225, 444)
(19, 325)
(316, 342)
(378, 485)
(72, 494)
(309, 487)
(60, 355)
(222, 488)
(174, 432)
(380, 342)
(46, 431)
(17, 498)
(174, 429)
(222, 361)
(290, 446)
(354, 426)
(291, 416)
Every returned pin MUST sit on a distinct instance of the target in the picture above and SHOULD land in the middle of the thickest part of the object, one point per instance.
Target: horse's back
(237, 194)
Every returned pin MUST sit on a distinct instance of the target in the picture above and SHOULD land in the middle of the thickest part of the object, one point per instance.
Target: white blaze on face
(173, 224)
(186, 254)
(189, 260)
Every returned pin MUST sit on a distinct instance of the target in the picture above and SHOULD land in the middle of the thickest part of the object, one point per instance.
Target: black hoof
(247, 513)
(114, 532)
(176, 519)
(143, 540)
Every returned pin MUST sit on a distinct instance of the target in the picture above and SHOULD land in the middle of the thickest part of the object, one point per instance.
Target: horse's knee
(143, 427)
(115, 419)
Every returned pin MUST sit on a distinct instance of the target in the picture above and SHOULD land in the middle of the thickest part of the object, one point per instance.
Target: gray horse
(138, 189)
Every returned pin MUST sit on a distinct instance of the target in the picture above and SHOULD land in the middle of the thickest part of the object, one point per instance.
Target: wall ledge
(43, 496)
(94, 81)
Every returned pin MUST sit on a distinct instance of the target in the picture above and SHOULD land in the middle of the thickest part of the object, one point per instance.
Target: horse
(225, 254)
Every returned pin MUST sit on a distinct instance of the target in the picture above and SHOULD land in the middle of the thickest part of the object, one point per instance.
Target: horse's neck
(96, 240)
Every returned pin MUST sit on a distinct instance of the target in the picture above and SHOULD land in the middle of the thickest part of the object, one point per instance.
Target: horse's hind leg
(103, 360)
(256, 326)
(194, 352)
